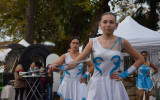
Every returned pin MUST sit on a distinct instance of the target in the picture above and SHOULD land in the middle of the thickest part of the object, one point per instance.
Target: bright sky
(5, 39)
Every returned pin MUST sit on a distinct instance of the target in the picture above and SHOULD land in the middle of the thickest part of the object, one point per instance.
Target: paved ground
(56, 97)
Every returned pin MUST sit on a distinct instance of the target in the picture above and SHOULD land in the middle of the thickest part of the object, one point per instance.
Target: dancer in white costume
(105, 83)
(144, 83)
(70, 87)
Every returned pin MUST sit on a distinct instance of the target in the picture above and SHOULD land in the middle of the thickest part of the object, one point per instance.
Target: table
(33, 87)
(8, 92)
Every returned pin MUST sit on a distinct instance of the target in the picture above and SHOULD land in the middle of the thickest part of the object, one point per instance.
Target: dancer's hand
(116, 76)
(148, 75)
(53, 67)
(82, 80)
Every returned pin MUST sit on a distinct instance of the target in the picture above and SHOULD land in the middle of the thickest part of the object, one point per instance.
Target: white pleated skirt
(71, 89)
(104, 88)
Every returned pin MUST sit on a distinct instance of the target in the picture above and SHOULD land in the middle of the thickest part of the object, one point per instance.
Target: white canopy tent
(4, 53)
(24, 43)
(139, 36)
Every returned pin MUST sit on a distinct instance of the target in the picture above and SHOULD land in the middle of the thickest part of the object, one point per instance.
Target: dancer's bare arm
(90, 65)
(60, 61)
(154, 67)
(85, 53)
(139, 60)
(82, 56)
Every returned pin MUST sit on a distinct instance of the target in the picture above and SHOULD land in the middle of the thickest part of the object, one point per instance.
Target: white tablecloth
(8, 92)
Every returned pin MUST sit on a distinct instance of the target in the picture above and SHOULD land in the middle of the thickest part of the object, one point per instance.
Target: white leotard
(70, 87)
(101, 86)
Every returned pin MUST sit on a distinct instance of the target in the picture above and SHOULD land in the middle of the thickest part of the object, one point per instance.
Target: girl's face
(74, 45)
(33, 64)
(144, 55)
(108, 24)
(48, 71)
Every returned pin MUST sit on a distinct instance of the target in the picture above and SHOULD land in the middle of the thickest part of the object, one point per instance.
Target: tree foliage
(152, 16)
(54, 20)
(145, 12)
(71, 19)
(12, 18)
(123, 8)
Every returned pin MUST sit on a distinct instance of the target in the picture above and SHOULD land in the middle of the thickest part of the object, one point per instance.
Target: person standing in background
(71, 86)
(42, 73)
(19, 83)
(144, 83)
(49, 84)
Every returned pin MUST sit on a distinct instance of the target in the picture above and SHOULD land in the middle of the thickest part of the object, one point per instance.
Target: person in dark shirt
(49, 84)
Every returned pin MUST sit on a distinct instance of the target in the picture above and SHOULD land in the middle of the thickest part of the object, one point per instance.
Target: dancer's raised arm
(85, 53)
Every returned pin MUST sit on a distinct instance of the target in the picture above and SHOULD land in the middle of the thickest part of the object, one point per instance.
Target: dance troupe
(106, 82)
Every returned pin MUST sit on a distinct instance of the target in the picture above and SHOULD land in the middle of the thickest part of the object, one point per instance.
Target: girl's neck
(145, 62)
(107, 37)
(74, 52)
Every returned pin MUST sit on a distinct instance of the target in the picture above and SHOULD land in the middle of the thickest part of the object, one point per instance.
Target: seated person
(31, 80)
(33, 67)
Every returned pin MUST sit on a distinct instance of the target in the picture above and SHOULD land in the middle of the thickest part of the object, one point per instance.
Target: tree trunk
(30, 22)
(97, 15)
(103, 7)
(153, 16)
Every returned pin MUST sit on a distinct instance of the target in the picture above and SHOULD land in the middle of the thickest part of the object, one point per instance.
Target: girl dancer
(144, 83)
(70, 87)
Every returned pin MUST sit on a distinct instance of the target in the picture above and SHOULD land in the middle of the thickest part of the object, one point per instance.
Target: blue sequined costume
(143, 81)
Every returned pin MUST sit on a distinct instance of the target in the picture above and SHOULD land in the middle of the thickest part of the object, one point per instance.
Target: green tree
(12, 18)
(15, 16)
(123, 8)
(151, 16)
(101, 7)
(135, 8)
(74, 18)
(51, 20)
